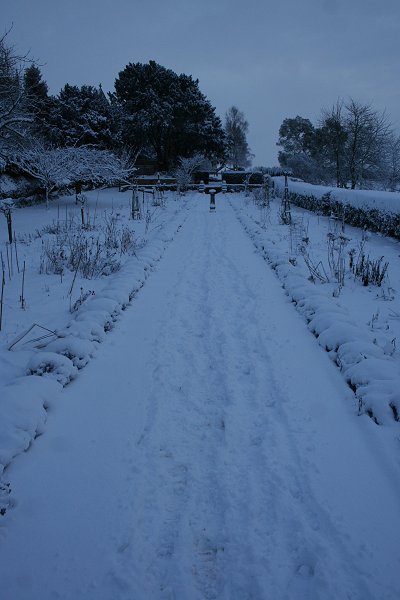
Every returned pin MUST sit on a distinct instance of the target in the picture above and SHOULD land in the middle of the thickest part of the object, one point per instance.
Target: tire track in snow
(224, 508)
(301, 523)
(193, 434)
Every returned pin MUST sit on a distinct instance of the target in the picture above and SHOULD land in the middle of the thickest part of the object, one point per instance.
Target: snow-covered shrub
(6, 207)
(94, 319)
(55, 366)
(372, 219)
(187, 166)
(78, 350)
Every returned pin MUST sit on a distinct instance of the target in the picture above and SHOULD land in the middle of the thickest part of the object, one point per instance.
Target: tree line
(152, 112)
(353, 145)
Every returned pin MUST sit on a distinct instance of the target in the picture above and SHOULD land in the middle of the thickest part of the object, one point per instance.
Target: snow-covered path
(211, 450)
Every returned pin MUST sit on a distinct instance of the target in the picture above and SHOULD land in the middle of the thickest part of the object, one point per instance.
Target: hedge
(387, 223)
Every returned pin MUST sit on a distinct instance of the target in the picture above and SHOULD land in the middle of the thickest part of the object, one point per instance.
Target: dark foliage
(370, 219)
(166, 114)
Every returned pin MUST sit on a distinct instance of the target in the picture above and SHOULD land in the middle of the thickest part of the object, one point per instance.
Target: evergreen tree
(35, 88)
(37, 102)
(297, 137)
(331, 139)
(81, 116)
(166, 114)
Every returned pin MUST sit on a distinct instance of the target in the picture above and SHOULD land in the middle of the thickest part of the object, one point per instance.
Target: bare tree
(46, 164)
(57, 167)
(236, 128)
(186, 168)
(13, 117)
(392, 162)
(368, 131)
(91, 165)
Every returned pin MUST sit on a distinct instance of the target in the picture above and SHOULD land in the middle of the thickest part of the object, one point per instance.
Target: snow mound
(52, 365)
(78, 350)
(23, 414)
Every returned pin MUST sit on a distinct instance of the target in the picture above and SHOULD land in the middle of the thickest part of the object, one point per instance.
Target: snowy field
(224, 441)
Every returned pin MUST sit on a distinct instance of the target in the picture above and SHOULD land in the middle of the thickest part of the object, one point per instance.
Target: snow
(371, 199)
(210, 447)
(23, 416)
(338, 316)
(74, 342)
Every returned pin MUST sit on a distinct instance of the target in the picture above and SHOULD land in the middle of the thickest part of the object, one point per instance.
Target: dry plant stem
(76, 272)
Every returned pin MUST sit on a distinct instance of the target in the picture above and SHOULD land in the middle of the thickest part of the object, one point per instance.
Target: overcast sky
(271, 59)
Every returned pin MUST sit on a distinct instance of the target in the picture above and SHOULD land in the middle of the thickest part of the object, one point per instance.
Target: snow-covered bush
(372, 219)
(79, 351)
(56, 168)
(52, 365)
(186, 168)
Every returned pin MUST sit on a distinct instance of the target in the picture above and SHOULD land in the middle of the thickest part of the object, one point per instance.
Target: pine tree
(37, 102)
(81, 116)
(166, 114)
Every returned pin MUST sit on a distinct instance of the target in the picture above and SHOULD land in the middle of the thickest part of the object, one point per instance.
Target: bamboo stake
(23, 286)
(11, 259)
(8, 262)
(16, 251)
(73, 283)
